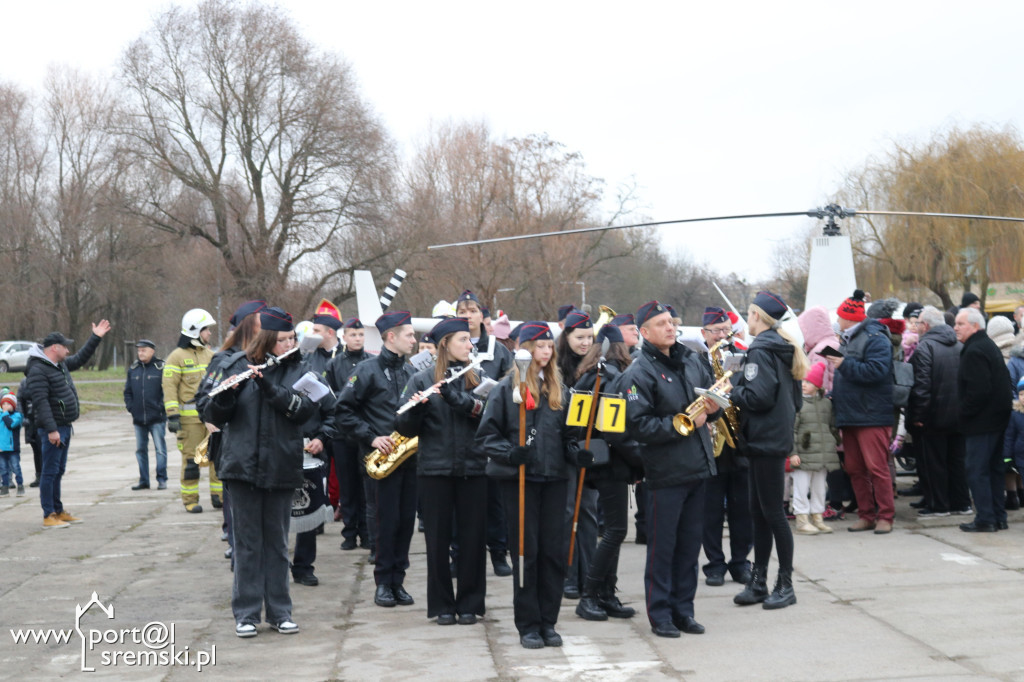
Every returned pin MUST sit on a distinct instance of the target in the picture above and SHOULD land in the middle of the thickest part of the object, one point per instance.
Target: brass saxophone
(725, 434)
(379, 465)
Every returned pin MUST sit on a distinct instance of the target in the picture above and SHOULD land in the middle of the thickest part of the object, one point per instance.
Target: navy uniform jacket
(367, 404)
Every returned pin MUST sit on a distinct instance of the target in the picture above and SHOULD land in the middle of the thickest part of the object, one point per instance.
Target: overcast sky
(712, 108)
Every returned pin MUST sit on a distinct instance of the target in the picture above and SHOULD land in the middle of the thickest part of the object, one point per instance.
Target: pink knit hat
(816, 374)
(501, 327)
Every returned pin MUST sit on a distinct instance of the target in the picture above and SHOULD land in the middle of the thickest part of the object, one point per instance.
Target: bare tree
(269, 137)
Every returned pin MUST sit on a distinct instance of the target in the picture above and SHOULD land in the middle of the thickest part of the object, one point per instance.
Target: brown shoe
(862, 525)
(53, 521)
(68, 518)
(882, 527)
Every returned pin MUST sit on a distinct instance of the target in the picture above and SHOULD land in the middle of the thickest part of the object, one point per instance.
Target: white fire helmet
(194, 321)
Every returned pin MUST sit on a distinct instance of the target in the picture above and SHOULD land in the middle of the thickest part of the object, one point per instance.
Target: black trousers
(946, 480)
(497, 525)
(640, 518)
(396, 522)
(441, 498)
(728, 493)
(586, 530)
(305, 553)
(260, 518)
(536, 603)
(767, 488)
(349, 470)
(675, 522)
(613, 503)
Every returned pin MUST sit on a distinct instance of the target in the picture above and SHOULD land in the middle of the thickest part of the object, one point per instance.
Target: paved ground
(926, 602)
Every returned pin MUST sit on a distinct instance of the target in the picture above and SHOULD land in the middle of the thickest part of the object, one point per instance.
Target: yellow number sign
(579, 409)
(611, 415)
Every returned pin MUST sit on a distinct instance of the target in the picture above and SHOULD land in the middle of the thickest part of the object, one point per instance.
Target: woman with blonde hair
(768, 395)
(550, 450)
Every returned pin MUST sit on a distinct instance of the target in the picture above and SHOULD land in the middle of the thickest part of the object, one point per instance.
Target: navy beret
(392, 319)
(467, 295)
(564, 311)
(623, 319)
(771, 304)
(714, 315)
(246, 309)
(448, 326)
(610, 332)
(327, 321)
(649, 310)
(578, 320)
(276, 320)
(514, 333)
(535, 331)
(353, 323)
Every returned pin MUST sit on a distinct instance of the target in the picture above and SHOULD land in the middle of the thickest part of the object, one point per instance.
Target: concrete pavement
(926, 602)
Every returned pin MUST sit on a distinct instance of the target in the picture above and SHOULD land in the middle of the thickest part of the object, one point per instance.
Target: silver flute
(436, 388)
(233, 381)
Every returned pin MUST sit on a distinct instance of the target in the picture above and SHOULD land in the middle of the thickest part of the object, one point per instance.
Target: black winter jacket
(53, 393)
(340, 369)
(261, 422)
(502, 362)
(936, 362)
(319, 362)
(658, 387)
(144, 392)
(768, 397)
(446, 432)
(862, 387)
(621, 448)
(554, 444)
(28, 413)
(983, 384)
(367, 404)
(324, 422)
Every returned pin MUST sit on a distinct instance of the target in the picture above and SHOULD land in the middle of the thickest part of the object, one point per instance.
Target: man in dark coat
(661, 383)
(932, 416)
(144, 400)
(985, 401)
(862, 402)
(55, 401)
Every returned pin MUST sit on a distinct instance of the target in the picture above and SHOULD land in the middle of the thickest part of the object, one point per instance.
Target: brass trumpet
(719, 393)
(604, 318)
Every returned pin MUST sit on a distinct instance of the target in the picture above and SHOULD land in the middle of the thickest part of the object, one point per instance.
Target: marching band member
(467, 306)
(319, 432)
(366, 411)
(551, 449)
(661, 384)
(353, 483)
(573, 344)
(728, 490)
(261, 463)
(451, 474)
(611, 481)
(769, 396)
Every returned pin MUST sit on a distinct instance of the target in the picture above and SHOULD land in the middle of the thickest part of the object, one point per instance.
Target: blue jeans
(10, 468)
(55, 460)
(142, 434)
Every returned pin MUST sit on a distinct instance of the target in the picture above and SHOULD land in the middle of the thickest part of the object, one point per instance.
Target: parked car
(14, 355)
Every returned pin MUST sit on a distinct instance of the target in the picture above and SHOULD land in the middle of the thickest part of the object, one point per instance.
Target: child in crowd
(1013, 443)
(10, 459)
(815, 440)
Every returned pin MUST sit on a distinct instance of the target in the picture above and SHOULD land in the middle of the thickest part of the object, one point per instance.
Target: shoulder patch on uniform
(632, 393)
(750, 371)
(352, 379)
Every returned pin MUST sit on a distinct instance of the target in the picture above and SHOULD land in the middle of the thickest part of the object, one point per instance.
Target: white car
(14, 355)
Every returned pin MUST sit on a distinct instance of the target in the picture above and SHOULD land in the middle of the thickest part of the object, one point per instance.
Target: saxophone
(725, 434)
(379, 465)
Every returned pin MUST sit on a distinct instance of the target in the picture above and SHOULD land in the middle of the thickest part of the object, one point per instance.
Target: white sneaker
(245, 630)
(286, 627)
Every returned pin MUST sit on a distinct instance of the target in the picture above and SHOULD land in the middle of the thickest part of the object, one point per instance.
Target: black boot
(1012, 501)
(589, 609)
(783, 594)
(500, 564)
(756, 590)
(607, 600)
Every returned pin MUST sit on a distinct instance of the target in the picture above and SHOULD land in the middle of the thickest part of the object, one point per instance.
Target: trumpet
(604, 318)
(719, 393)
(436, 388)
(233, 381)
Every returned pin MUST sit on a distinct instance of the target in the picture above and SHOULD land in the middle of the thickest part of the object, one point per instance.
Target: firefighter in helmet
(183, 372)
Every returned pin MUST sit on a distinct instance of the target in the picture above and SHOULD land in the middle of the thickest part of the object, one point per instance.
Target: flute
(233, 381)
(413, 402)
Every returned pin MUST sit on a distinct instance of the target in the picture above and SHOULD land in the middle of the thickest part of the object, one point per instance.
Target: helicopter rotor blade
(965, 216)
(602, 228)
